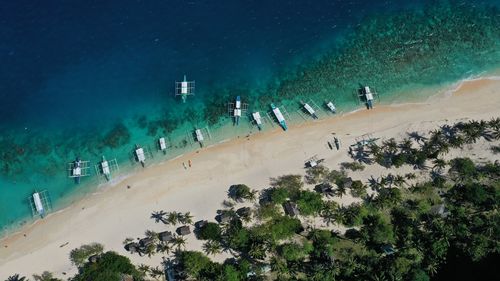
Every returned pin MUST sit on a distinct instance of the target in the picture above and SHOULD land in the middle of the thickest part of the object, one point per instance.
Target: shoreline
(92, 185)
(158, 177)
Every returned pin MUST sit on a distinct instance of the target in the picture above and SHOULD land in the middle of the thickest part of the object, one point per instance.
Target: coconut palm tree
(179, 242)
(439, 164)
(151, 235)
(144, 268)
(163, 248)
(16, 277)
(186, 218)
(156, 273)
(416, 136)
(341, 190)
(212, 247)
(173, 218)
(330, 212)
(159, 216)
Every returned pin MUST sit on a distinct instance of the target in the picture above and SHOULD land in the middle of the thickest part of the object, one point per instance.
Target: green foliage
(279, 195)
(353, 166)
(358, 189)
(353, 214)
(45, 276)
(109, 267)
(210, 231)
(316, 174)
(309, 203)
(79, 256)
(240, 192)
(376, 230)
(292, 183)
(462, 168)
(295, 251)
(193, 263)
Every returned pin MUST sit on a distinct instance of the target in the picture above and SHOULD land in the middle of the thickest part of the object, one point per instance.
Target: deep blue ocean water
(71, 70)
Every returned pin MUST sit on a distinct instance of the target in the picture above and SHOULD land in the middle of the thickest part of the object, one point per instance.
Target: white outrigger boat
(78, 169)
(106, 167)
(366, 95)
(140, 156)
(39, 203)
(162, 143)
(279, 116)
(199, 136)
(331, 106)
(184, 88)
(309, 110)
(258, 120)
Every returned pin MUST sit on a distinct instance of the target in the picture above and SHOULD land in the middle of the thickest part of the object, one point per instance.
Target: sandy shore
(116, 212)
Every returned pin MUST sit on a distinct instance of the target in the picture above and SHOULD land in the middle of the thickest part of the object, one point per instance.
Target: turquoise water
(91, 80)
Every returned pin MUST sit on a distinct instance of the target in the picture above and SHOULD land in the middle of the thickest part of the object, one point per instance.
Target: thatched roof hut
(183, 230)
(165, 236)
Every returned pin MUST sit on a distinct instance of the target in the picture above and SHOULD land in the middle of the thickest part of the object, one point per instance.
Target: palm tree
(212, 247)
(127, 241)
(173, 218)
(144, 268)
(399, 180)
(186, 218)
(341, 190)
(416, 136)
(330, 212)
(159, 216)
(151, 235)
(439, 164)
(179, 242)
(156, 272)
(45, 276)
(163, 248)
(16, 277)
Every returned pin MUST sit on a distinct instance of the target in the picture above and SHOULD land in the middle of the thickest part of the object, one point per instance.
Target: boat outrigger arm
(279, 116)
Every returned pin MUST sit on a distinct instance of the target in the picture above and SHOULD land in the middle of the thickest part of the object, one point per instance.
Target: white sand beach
(117, 212)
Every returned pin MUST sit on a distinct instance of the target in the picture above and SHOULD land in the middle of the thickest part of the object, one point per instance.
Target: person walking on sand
(189, 162)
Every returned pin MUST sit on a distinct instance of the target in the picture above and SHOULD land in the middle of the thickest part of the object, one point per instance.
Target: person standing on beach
(189, 162)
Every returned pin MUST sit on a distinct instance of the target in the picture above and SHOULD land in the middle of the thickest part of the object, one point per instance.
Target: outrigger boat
(279, 116)
(331, 106)
(237, 110)
(366, 95)
(199, 136)
(106, 167)
(309, 110)
(37, 200)
(162, 144)
(184, 88)
(257, 119)
(139, 154)
(78, 169)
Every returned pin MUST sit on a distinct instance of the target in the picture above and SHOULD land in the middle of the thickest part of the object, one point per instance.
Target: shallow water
(94, 78)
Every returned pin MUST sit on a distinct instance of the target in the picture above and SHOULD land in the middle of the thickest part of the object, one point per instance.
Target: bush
(109, 267)
(353, 166)
(240, 191)
(80, 255)
(210, 231)
(309, 203)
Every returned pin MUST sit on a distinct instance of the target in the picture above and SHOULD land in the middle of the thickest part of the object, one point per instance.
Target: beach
(123, 210)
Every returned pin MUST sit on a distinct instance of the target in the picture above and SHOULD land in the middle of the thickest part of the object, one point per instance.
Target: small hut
(183, 230)
(132, 247)
(224, 218)
(291, 209)
(93, 258)
(165, 236)
(347, 182)
(200, 224)
(145, 242)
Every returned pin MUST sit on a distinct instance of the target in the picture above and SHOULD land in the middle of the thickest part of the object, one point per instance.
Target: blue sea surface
(87, 78)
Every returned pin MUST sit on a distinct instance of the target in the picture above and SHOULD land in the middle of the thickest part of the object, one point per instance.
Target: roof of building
(184, 230)
(291, 208)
